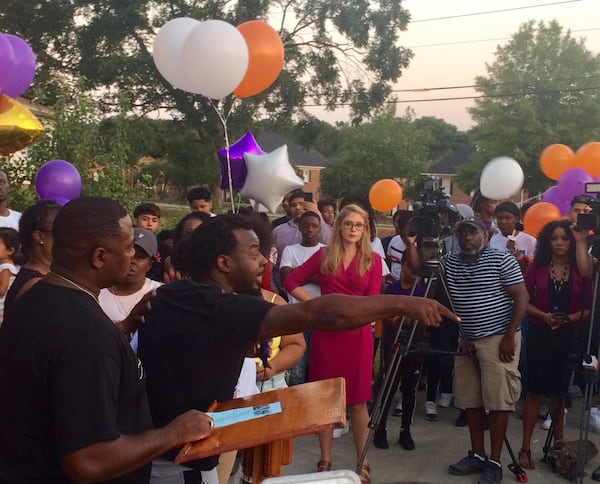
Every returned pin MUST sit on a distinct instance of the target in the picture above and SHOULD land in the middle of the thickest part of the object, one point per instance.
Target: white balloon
(166, 50)
(270, 177)
(501, 178)
(214, 58)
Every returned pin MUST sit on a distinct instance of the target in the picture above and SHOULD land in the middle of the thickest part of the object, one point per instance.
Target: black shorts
(548, 358)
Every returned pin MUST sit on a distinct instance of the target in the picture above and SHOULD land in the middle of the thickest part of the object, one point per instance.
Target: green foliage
(336, 52)
(386, 147)
(444, 137)
(542, 89)
(75, 135)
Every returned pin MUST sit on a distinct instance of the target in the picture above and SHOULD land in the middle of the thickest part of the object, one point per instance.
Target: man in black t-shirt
(73, 405)
(199, 329)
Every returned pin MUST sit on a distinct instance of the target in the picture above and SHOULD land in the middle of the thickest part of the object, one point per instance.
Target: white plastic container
(331, 477)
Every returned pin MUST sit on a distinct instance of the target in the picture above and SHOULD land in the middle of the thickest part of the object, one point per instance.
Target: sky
(445, 54)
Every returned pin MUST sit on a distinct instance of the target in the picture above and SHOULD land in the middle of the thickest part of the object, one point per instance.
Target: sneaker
(337, 433)
(546, 424)
(405, 440)
(491, 474)
(398, 410)
(431, 412)
(472, 464)
(380, 439)
(445, 400)
(461, 420)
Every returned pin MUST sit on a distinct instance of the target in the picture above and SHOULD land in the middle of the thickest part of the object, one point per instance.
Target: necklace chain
(75, 285)
(558, 284)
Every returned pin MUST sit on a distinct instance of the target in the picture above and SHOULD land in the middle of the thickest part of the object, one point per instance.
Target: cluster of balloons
(385, 195)
(260, 176)
(58, 180)
(213, 58)
(18, 127)
(571, 172)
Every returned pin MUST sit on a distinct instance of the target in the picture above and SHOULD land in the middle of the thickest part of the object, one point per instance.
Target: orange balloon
(555, 160)
(539, 215)
(588, 158)
(265, 57)
(385, 195)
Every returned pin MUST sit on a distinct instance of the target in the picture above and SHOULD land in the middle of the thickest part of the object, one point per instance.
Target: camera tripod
(431, 273)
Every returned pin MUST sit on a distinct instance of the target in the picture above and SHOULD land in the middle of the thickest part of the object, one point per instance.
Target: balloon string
(223, 120)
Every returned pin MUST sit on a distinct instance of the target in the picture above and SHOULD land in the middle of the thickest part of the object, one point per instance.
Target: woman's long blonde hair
(333, 253)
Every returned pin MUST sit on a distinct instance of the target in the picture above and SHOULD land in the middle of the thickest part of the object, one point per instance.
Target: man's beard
(473, 252)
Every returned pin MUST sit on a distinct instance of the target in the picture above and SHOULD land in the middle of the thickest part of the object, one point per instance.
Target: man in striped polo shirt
(489, 295)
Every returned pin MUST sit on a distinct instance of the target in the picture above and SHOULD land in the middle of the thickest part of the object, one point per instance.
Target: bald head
(84, 224)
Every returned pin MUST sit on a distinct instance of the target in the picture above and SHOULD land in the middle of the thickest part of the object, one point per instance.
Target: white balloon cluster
(208, 58)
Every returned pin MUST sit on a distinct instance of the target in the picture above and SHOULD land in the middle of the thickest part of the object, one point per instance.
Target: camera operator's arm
(413, 259)
(585, 264)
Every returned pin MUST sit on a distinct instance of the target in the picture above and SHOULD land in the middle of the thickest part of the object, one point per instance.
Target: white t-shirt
(11, 220)
(117, 308)
(377, 246)
(396, 249)
(525, 243)
(294, 256)
(13, 273)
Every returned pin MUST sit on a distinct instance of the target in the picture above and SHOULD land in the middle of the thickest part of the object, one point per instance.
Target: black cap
(476, 224)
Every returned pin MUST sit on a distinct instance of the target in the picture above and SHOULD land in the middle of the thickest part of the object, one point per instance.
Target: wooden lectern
(306, 409)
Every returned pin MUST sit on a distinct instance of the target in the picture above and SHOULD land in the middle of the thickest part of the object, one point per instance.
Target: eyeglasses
(350, 225)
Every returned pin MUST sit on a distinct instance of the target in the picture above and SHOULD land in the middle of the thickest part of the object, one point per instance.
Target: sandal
(365, 474)
(323, 466)
(525, 460)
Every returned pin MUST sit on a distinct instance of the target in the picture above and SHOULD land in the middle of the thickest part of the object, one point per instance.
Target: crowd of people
(133, 333)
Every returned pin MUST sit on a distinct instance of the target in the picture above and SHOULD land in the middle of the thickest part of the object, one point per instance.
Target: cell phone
(308, 197)
(586, 221)
(560, 316)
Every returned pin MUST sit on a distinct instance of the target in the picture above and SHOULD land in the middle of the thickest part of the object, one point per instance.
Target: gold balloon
(18, 127)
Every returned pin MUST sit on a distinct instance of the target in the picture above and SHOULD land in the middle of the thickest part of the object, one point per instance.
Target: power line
(499, 84)
(462, 98)
(459, 42)
(493, 11)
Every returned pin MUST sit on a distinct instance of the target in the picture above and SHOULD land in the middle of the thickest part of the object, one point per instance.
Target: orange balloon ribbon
(555, 160)
(18, 127)
(265, 57)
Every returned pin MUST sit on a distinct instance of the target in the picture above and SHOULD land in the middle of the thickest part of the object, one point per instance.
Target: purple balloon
(58, 180)
(7, 62)
(572, 183)
(246, 144)
(553, 196)
(23, 67)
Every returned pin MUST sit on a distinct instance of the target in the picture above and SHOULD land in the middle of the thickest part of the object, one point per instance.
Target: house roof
(450, 164)
(298, 155)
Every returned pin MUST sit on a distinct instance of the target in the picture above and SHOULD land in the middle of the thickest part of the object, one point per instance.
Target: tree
(386, 147)
(444, 137)
(336, 52)
(76, 136)
(543, 88)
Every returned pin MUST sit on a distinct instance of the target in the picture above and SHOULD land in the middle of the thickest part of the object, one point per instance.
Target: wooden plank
(306, 409)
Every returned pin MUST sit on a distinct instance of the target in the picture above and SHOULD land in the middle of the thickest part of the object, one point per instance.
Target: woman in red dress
(346, 266)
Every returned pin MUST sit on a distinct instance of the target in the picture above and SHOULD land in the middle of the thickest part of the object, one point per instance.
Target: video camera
(427, 223)
(590, 221)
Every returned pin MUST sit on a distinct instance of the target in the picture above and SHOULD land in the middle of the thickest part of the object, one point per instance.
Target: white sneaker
(337, 433)
(431, 412)
(548, 422)
(445, 400)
